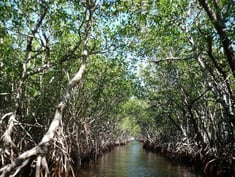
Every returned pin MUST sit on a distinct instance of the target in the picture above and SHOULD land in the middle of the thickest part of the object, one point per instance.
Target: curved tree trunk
(40, 150)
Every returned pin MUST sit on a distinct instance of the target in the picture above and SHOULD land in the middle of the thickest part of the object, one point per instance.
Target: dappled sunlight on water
(133, 161)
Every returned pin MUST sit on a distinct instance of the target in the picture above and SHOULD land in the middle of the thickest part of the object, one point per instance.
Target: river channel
(132, 160)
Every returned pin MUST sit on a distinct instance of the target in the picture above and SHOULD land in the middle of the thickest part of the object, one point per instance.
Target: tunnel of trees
(78, 77)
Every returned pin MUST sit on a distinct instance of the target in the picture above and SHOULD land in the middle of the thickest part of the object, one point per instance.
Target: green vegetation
(78, 76)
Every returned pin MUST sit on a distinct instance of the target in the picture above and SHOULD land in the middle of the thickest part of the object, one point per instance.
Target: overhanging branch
(170, 59)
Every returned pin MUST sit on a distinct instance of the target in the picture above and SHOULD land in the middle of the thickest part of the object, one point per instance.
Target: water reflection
(132, 161)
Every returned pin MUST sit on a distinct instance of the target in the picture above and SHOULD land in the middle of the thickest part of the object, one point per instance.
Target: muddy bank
(202, 161)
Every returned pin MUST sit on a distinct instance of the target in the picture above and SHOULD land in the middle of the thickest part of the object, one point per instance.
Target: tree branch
(218, 22)
(41, 148)
(171, 59)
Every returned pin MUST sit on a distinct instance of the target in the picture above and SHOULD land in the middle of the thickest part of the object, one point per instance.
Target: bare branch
(4, 94)
(34, 31)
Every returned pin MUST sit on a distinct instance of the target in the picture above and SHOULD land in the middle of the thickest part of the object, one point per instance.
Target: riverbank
(201, 160)
(132, 160)
(84, 160)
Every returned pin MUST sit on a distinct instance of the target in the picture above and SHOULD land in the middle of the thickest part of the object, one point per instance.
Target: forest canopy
(77, 77)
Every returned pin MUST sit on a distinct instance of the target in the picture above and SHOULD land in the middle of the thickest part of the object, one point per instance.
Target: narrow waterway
(133, 161)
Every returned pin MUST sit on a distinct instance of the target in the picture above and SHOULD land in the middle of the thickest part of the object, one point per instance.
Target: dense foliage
(162, 71)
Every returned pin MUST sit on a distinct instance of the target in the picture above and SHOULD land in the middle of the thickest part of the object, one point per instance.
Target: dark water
(133, 161)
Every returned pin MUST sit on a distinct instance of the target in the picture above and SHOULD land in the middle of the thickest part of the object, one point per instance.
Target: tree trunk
(218, 22)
